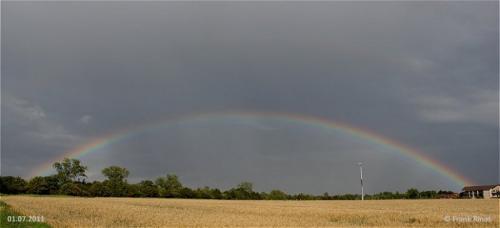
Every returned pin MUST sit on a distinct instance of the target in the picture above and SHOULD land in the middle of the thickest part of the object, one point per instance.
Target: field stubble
(126, 212)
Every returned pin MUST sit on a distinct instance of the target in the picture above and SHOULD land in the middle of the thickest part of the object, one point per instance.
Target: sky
(424, 75)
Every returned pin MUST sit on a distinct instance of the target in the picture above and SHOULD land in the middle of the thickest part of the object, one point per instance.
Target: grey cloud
(480, 107)
(423, 74)
(33, 118)
(85, 119)
(29, 135)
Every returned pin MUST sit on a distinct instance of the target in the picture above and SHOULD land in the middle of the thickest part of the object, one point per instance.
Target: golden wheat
(126, 212)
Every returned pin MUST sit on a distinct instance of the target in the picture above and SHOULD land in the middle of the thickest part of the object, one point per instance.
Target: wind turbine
(360, 164)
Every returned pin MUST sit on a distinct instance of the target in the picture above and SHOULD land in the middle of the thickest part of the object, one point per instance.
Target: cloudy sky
(422, 74)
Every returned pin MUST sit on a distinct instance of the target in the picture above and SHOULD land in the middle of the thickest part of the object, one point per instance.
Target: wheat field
(128, 212)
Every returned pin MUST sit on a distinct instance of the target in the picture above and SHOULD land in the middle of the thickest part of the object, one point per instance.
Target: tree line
(70, 179)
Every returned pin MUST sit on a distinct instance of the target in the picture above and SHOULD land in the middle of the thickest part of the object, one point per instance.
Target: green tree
(429, 194)
(387, 195)
(38, 185)
(277, 195)
(12, 185)
(148, 189)
(187, 193)
(244, 190)
(134, 190)
(203, 193)
(99, 189)
(71, 189)
(115, 173)
(170, 186)
(215, 193)
(52, 183)
(246, 186)
(70, 170)
(326, 196)
(303, 196)
(412, 193)
(116, 182)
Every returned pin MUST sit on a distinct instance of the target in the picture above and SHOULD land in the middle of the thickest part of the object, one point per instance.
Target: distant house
(481, 191)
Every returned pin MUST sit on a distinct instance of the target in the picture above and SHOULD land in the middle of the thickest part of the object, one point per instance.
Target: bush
(148, 189)
(38, 185)
(277, 195)
(71, 189)
(412, 193)
(99, 189)
(12, 185)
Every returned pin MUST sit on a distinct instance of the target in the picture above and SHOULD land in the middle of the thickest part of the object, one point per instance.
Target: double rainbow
(96, 145)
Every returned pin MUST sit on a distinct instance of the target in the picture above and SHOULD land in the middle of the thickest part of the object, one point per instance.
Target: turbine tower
(360, 164)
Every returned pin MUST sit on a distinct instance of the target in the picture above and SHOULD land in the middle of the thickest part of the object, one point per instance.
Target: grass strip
(10, 218)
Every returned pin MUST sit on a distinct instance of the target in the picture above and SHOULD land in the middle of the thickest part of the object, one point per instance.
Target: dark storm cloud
(424, 74)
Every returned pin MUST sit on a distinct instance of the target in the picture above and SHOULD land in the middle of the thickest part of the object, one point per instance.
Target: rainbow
(99, 143)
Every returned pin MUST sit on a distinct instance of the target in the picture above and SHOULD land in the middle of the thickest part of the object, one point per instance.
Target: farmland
(120, 212)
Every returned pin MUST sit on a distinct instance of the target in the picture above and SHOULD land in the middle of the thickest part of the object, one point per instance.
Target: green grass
(6, 214)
